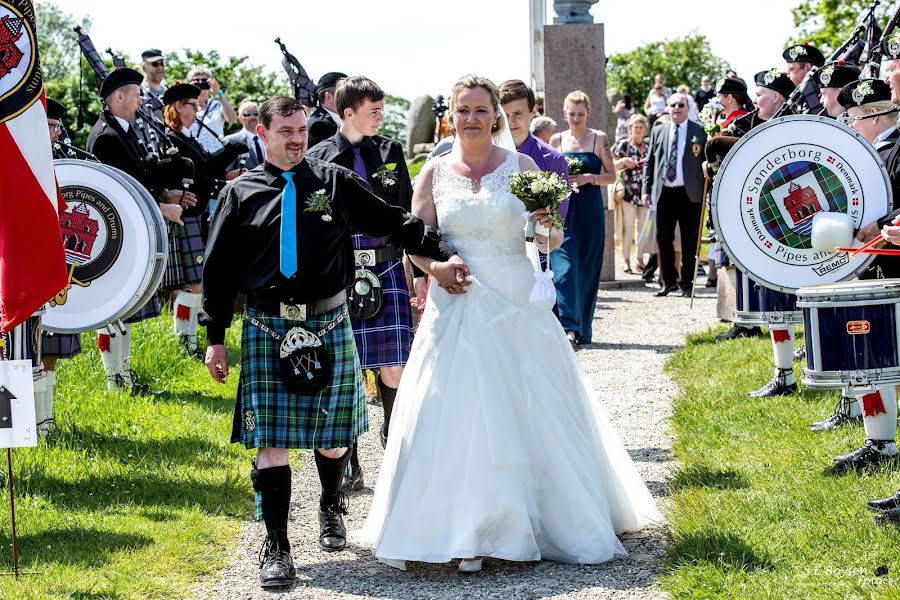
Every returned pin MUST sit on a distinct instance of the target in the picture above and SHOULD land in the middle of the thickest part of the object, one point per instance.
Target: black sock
(331, 470)
(274, 484)
(354, 457)
(388, 395)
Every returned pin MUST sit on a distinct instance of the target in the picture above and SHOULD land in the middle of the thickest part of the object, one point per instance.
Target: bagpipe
(303, 87)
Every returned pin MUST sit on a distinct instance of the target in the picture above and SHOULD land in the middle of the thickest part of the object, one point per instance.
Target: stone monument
(574, 59)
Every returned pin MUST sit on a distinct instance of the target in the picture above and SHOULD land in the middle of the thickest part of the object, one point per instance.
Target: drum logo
(858, 327)
(782, 193)
(20, 74)
(91, 234)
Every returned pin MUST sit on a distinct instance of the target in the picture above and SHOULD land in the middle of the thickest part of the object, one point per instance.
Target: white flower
(536, 187)
(326, 218)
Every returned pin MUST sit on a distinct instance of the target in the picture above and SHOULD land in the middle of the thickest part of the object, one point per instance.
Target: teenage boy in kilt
(282, 235)
(383, 339)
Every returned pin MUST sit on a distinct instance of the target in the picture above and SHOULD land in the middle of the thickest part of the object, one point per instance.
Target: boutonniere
(386, 174)
(695, 146)
(319, 202)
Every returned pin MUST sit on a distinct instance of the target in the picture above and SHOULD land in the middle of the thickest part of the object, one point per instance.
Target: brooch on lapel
(695, 146)
(319, 202)
(386, 174)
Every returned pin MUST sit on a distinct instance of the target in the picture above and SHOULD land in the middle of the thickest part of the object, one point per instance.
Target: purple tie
(359, 167)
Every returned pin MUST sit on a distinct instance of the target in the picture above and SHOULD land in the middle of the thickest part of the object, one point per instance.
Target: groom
(281, 235)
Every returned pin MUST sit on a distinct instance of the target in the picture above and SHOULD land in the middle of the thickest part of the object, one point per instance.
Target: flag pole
(699, 237)
(12, 512)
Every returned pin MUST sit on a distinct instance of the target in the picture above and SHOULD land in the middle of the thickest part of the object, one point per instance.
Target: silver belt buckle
(296, 312)
(364, 258)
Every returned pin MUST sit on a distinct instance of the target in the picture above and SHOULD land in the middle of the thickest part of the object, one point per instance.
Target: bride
(497, 446)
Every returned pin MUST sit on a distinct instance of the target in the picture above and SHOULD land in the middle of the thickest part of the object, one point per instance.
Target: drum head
(771, 184)
(874, 287)
(111, 235)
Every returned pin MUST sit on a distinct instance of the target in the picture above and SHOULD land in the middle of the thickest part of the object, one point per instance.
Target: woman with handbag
(629, 155)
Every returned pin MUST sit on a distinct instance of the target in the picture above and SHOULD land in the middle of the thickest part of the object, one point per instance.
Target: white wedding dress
(497, 446)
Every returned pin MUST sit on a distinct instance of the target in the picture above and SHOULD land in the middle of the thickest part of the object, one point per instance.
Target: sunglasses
(678, 105)
(199, 80)
(250, 113)
(157, 63)
(194, 105)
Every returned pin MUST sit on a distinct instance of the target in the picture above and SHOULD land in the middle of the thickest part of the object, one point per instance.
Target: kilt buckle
(296, 312)
(365, 258)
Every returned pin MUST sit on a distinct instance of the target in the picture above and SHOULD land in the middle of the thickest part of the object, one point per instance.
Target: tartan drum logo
(783, 192)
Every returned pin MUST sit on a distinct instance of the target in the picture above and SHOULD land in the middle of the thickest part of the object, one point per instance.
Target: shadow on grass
(699, 476)
(86, 547)
(720, 550)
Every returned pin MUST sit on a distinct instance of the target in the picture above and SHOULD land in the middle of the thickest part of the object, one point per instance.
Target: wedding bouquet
(539, 189)
(709, 118)
(574, 165)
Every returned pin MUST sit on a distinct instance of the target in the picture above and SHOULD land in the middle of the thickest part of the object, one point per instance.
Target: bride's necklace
(475, 182)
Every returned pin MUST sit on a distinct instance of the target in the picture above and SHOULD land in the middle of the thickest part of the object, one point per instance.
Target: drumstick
(864, 250)
(877, 239)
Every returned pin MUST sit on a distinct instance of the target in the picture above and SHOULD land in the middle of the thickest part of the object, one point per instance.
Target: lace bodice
(482, 224)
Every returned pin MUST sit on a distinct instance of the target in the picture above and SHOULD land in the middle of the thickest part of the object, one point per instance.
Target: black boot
(353, 476)
(276, 567)
(737, 331)
(388, 395)
(866, 456)
(778, 386)
(800, 353)
(885, 504)
(274, 486)
(333, 504)
(840, 417)
(888, 517)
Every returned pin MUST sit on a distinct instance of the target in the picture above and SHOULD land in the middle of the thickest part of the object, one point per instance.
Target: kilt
(185, 264)
(385, 339)
(60, 345)
(147, 311)
(267, 415)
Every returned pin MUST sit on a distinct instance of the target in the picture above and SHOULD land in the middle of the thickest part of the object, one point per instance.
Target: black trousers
(674, 208)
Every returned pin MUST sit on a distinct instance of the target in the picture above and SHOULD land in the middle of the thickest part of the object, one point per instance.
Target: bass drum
(116, 244)
(772, 183)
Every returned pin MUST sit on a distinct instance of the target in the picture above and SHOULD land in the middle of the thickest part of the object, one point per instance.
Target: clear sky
(415, 47)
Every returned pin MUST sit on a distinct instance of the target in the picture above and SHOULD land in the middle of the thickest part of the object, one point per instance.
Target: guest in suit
(673, 184)
(248, 115)
(383, 336)
(325, 120)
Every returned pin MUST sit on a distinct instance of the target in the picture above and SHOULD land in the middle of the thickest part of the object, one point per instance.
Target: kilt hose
(385, 339)
(186, 247)
(267, 415)
(60, 345)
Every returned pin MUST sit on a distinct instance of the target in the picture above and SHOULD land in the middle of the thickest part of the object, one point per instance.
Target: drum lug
(121, 326)
(859, 380)
(774, 318)
(112, 327)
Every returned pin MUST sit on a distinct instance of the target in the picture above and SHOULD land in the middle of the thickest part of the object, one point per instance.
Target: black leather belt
(367, 258)
(298, 312)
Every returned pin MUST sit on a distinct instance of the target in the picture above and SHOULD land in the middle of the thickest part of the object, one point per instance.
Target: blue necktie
(288, 226)
(672, 160)
(359, 167)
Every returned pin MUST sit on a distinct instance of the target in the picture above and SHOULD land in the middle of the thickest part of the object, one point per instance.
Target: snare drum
(116, 245)
(779, 306)
(852, 333)
(747, 313)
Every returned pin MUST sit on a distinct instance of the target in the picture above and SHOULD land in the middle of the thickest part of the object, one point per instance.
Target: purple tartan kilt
(147, 311)
(185, 264)
(385, 339)
(60, 345)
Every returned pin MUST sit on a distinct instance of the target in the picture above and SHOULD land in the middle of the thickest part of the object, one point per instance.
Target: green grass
(414, 168)
(753, 511)
(131, 497)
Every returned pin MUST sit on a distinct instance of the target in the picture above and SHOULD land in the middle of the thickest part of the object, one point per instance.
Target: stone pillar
(574, 59)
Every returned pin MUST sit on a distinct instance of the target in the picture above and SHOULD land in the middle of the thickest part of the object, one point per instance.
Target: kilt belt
(299, 312)
(370, 258)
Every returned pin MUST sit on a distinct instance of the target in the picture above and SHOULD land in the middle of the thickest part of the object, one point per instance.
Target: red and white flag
(32, 261)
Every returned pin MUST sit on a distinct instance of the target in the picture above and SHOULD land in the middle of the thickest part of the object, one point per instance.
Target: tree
(56, 40)
(682, 60)
(826, 24)
(394, 124)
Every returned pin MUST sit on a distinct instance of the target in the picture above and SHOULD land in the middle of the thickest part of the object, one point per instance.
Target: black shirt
(209, 169)
(243, 250)
(703, 96)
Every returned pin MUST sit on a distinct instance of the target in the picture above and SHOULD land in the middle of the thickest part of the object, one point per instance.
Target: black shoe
(868, 455)
(737, 331)
(711, 283)
(884, 504)
(840, 417)
(666, 291)
(686, 292)
(354, 481)
(275, 562)
(332, 533)
(383, 435)
(778, 386)
(888, 517)
(700, 270)
(800, 353)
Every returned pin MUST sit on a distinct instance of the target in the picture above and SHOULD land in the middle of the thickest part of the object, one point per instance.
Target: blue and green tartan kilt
(186, 247)
(385, 339)
(60, 345)
(267, 415)
(148, 311)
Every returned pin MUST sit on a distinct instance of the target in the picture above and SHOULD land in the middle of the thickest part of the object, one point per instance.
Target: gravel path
(638, 332)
